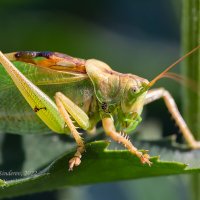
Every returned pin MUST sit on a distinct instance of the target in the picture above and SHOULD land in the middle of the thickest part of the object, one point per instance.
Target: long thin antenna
(171, 66)
(183, 80)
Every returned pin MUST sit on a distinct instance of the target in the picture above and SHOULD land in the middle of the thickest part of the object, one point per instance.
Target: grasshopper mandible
(85, 92)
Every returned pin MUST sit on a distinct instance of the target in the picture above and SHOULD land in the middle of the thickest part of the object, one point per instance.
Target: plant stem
(191, 70)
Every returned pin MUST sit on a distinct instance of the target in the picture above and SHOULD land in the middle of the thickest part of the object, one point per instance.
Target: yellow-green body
(47, 91)
(90, 84)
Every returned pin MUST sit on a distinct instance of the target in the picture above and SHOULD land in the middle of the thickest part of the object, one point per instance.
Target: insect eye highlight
(134, 90)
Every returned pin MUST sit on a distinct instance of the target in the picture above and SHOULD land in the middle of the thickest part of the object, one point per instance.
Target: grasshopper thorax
(119, 95)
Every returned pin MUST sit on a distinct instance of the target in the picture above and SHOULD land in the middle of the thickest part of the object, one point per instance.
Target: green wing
(16, 116)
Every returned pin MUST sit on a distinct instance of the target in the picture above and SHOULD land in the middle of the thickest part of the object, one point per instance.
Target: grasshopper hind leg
(156, 94)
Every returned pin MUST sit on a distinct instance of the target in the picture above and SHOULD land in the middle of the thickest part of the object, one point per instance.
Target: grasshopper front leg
(65, 105)
(109, 128)
(155, 94)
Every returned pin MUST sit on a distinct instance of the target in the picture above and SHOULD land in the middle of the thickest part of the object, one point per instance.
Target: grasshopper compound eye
(134, 89)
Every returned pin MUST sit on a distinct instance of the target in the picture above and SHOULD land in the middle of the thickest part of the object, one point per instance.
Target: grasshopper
(85, 92)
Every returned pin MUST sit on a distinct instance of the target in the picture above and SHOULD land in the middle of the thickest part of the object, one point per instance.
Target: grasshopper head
(133, 101)
(134, 94)
(135, 90)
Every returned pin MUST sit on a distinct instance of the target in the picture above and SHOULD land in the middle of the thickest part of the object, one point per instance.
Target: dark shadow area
(13, 156)
(39, 196)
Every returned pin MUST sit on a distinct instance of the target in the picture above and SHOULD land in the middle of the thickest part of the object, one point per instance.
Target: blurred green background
(132, 36)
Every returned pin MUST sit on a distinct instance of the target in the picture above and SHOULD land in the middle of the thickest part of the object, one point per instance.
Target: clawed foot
(144, 158)
(76, 160)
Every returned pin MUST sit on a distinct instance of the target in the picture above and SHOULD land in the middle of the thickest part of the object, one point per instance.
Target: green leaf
(102, 165)
(2, 183)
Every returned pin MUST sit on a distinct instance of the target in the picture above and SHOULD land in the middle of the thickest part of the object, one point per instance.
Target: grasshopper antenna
(162, 74)
(182, 80)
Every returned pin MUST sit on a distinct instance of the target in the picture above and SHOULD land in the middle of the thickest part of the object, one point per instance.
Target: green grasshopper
(85, 92)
